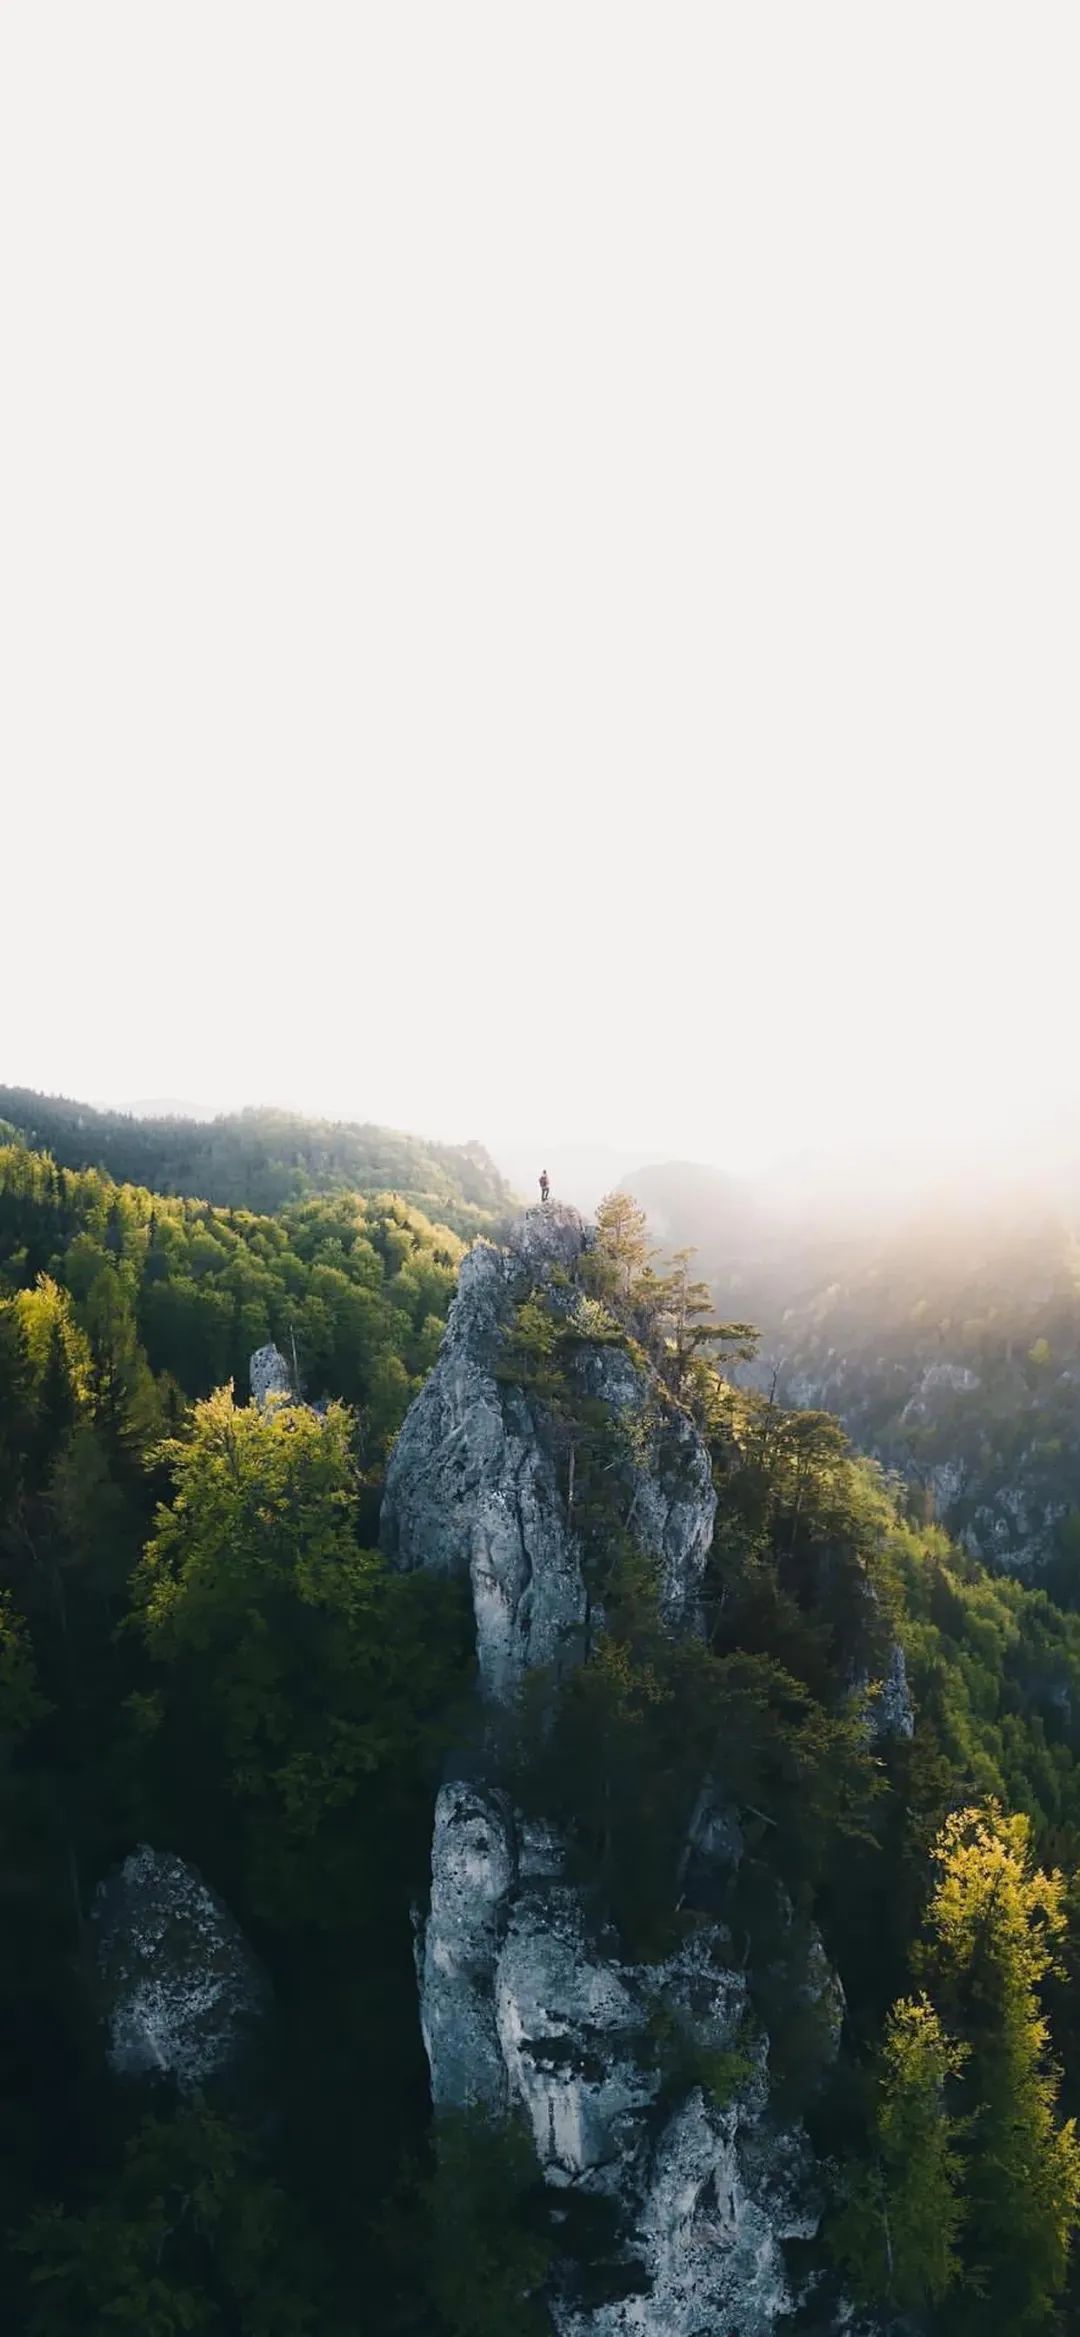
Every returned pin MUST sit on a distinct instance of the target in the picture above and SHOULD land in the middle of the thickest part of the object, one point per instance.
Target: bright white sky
(539, 564)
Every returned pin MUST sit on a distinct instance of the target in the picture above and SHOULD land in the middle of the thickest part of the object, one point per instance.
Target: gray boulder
(182, 1994)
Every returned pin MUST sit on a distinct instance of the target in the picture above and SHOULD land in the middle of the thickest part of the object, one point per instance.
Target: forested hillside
(259, 1159)
(201, 1651)
(946, 1337)
(952, 1350)
(283, 1732)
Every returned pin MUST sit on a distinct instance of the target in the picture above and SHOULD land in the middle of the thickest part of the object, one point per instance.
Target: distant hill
(158, 1107)
(946, 1336)
(262, 1158)
(689, 1203)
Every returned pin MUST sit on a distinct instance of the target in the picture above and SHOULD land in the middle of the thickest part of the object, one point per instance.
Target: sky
(539, 567)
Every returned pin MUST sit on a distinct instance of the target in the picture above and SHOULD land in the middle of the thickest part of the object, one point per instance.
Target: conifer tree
(994, 1925)
(897, 2235)
(622, 1252)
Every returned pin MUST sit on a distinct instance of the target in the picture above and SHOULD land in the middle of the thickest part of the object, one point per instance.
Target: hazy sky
(539, 563)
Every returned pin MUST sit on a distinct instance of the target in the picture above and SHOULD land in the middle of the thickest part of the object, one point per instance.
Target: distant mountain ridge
(695, 1205)
(261, 1158)
(945, 1336)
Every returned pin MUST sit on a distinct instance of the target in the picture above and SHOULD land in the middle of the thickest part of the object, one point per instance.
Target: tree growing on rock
(617, 1265)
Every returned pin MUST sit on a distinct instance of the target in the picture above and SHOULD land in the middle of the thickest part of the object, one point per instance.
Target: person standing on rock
(545, 1184)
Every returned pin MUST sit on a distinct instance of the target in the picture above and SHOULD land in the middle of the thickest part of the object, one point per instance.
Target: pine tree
(686, 1328)
(620, 1258)
(993, 1928)
(897, 2235)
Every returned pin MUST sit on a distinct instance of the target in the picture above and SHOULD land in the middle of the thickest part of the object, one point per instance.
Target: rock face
(270, 1377)
(938, 1379)
(891, 1711)
(523, 2008)
(477, 1487)
(643, 2085)
(894, 1715)
(183, 1994)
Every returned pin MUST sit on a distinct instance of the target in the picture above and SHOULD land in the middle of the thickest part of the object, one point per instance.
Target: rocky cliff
(528, 2003)
(481, 1484)
(524, 2007)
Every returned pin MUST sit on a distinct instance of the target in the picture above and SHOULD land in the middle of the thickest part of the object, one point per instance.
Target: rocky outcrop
(887, 1700)
(894, 1713)
(271, 1379)
(480, 1486)
(472, 1874)
(645, 2086)
(1016, 1531)
(181, 1992)
(938, 1379)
